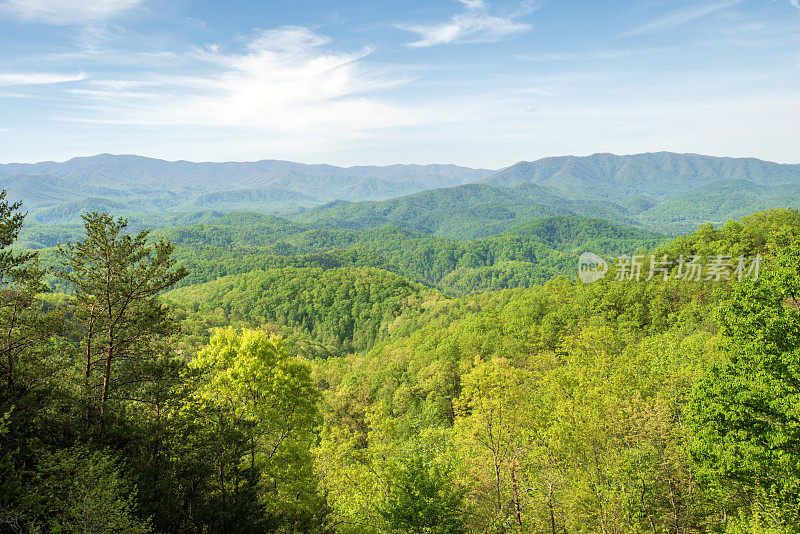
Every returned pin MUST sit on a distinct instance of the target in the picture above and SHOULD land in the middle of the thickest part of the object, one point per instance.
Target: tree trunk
(515, 490)
(550, 507)
(88, 370)
(106, 383)
(646, 511)
(498, 488)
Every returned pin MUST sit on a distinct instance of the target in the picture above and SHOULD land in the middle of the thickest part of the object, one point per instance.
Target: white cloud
(38, 78)
(475, 24)
(682, 16)
(796, 3)
(67, 11)
(285, 81)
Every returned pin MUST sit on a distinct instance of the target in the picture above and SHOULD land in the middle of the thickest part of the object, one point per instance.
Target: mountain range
(664, 191)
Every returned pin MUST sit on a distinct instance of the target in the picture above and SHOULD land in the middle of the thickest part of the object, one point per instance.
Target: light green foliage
(494, 430)
(358, 400)
(255, 407)
(759, 233)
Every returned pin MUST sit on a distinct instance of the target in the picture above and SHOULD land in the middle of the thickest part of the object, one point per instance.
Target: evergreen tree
(117, 279)
(25, 326)
(29, 365)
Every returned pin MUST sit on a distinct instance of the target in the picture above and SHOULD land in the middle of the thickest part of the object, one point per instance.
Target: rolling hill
(465, 212)
(663, 191)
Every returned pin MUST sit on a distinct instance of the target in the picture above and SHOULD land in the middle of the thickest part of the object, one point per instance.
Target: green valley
(400, 366)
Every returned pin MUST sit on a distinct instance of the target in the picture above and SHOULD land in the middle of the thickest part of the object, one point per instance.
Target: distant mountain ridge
(139, 172)
(655, 173)
(665, 191)
(662, 191)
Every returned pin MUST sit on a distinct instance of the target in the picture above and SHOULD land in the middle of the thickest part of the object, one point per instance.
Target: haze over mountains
(662, 191)
(180, 182)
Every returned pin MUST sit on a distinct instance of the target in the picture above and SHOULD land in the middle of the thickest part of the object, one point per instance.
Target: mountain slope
(260, 200)
(348, 309)
(464, 212)
(663, 191)
(135, 174)
(659, 173)
(721, 201)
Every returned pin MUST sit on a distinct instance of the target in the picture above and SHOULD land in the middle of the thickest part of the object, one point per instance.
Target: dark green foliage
(98, 429)
(525, 255)
(252, 199)
(746, 410)
(81, 490)
(542, 406)
(123, 324)
(232, 230)
(423, 500)
(465, 212)
(30, 363)
(12, 265)
(345, 308)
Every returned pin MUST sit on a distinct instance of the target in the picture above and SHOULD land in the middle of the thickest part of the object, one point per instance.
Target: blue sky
(473, 82)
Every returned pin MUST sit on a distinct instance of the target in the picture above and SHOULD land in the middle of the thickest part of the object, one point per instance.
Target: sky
(482, 83)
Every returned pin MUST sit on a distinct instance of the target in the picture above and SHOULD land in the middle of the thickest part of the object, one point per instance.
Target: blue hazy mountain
(664, 191)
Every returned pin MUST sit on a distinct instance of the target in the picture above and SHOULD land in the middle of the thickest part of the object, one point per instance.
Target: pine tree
(20, 282)
(117, 279)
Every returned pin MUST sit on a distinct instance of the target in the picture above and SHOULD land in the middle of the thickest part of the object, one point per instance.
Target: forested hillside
(479, 210)
(656, 174)
(245, 373)
(147, 185)
(525, 255)
(664, 192)
(348, 309)
(238, 243)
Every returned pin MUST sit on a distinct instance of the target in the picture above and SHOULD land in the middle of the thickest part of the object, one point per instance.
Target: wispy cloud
(796, 3)
(38, 78)
(474, 24)
(285, 81)
(681, 16)
(67, 12)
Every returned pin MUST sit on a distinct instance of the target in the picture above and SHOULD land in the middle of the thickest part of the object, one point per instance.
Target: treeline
(106, 427)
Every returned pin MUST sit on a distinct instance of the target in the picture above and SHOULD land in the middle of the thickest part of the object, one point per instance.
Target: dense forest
(249, 374)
